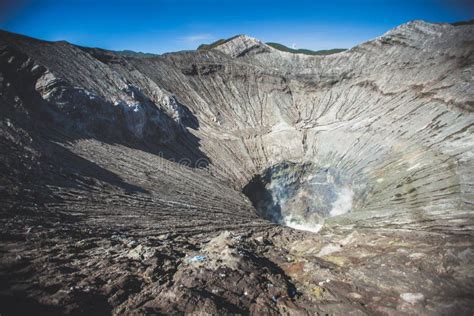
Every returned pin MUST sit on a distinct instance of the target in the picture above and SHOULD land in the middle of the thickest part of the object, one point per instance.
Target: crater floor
(300, 196)
(239, 179)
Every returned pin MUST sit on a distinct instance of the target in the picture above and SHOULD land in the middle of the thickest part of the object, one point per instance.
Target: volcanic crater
(238, 178)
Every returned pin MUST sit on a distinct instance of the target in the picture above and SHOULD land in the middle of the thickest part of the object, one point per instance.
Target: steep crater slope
(393, 115)
(122, 177)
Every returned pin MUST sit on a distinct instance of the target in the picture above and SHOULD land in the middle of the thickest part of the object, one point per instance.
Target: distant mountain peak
(242, 44)
(236, 46)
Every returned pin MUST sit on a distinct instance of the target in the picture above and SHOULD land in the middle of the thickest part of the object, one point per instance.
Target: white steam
(294, 223)
(343, 204)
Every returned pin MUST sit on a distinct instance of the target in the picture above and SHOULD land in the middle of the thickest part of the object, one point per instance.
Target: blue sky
(166, 25)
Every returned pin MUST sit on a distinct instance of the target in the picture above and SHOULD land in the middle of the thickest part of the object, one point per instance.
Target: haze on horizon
(165, 25)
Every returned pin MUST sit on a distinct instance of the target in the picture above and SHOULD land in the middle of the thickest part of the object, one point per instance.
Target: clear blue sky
(166, 25)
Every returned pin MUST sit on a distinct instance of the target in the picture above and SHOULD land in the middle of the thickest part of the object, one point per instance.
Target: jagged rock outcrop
(122, 177)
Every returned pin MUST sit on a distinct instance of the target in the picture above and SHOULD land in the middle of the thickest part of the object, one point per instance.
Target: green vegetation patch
(131, 53)
(284, 48)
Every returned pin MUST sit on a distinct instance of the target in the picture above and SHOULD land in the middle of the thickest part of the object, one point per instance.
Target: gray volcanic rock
(243, 45)
(156, 184)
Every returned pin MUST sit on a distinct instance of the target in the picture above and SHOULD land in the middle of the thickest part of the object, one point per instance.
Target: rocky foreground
(162, 185)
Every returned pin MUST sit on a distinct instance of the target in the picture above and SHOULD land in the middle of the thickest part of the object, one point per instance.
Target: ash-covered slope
(122, 177)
